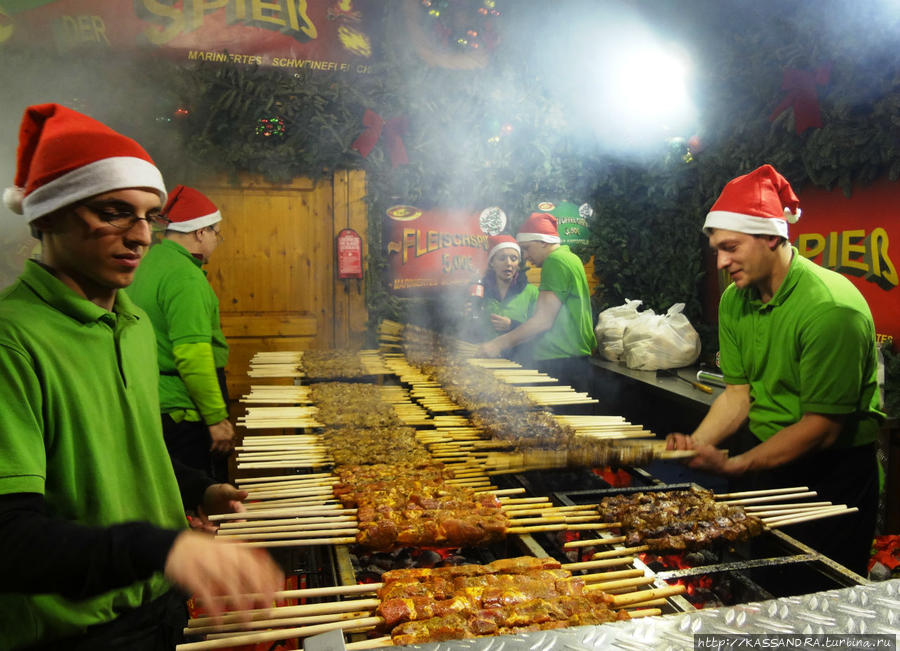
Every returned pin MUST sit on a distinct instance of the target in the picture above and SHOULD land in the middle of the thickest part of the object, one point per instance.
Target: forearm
(810, 433)
(197, 369)
(42, 554)
(532, 328)
(726, 414)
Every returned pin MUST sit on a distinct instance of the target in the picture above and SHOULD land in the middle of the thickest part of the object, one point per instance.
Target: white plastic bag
(611, 326)
(661, 341)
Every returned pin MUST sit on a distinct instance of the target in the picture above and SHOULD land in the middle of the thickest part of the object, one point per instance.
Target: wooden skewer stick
(272, 623)
(644, 612)
(621, 583)
(771, 498)
(644, 595)
(804, 510)
(280, 612)
(285, 522)
(280, 513)
(279, 478)
(310, 542)
(781, 522)
(295, 535)
(622, 550)
(755, 510)
(760, 493)
(373, 643)
(280, 634)
(588, 543)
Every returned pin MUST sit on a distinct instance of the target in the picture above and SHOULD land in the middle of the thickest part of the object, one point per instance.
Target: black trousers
(843, 476)
(189, 442)
(156, 626)
(575, 372)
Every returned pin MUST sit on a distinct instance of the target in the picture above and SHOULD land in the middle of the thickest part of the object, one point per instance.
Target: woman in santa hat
(509, 299)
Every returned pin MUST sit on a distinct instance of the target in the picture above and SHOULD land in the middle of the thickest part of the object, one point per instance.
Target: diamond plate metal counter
(872, 608)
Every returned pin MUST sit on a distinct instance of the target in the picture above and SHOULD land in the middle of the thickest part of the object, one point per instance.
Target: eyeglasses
(122, 216)
(218, 233)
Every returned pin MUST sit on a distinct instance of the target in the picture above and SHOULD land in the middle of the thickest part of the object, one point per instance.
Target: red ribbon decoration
(802, 96)
(393, 131)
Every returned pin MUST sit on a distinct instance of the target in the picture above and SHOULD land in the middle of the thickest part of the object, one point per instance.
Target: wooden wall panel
(274, 272)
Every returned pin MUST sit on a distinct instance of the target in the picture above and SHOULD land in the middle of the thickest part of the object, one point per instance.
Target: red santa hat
(64, 157)
(539, 227)
(497, 242)
(759, 203)
(190, 210)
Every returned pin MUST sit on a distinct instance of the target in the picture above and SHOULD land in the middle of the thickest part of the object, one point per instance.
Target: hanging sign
(430, 249)
(571, 221)
(327, 35)
(859, 238)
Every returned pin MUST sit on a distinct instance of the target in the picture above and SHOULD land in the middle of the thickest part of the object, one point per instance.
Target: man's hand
(219, 498)
(208, 568)
(712, 459)
(679, 441)
(489, 349)
(222, 435)
(501, 323)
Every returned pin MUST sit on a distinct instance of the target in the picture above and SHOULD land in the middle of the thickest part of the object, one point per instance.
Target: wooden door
(274, 271)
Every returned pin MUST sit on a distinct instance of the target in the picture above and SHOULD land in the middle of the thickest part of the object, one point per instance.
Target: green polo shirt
(172, 288)
(80, 425)
(810, 349)
(517, 307)
(572, 333)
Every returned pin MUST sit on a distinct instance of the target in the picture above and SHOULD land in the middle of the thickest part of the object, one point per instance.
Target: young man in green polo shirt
(797, 349)
(561, 330)
(171, 286)
(94, 549)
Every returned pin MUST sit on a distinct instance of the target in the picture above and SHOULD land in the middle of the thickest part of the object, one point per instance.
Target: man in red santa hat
(561, 330)
(797, 350)
(172, 288)
(95, 552)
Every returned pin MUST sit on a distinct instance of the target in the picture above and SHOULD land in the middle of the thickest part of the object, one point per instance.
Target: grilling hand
(500, 323)
(220, 498)
(208, 568)
(222, 436)
(710, 459)
(489, 349)
(679, 441)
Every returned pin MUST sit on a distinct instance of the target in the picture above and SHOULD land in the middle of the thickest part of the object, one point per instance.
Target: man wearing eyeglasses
(95, 552)
(172, 288)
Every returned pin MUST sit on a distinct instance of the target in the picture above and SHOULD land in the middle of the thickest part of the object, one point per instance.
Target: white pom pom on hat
(761, 202)
(65, 156)
(12, 199)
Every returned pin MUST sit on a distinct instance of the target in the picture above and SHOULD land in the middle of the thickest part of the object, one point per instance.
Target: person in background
(509, 299)
(171, 287)
(95, 552)
(561, 330)
(797, 350)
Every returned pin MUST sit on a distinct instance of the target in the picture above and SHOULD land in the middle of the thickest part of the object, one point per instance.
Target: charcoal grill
(767, 566)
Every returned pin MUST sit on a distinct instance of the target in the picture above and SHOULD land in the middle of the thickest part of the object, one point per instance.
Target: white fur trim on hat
(538, 237)
(504, 245)
(12, 198)
(104, 175)
(195, 224)
(734, 221)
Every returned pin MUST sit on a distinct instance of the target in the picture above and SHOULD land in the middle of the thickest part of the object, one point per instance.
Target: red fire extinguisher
(349, 254)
